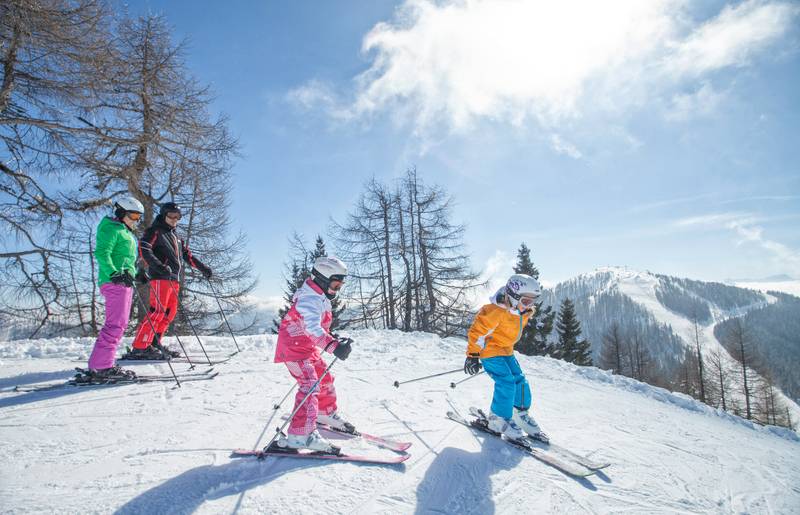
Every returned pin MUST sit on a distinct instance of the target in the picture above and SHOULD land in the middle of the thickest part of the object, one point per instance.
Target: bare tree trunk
(75, 289)
(386, 207)
(700, 370)
(95, 330)
(404, 256)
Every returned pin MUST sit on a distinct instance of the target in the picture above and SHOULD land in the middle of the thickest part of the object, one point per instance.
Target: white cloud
(714, 220)
(748, 231)
(450, 64)
(564, 147)
(733, 37)
(496, 271)
(702, 102)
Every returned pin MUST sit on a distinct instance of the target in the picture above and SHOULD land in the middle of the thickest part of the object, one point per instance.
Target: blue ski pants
(511, 389)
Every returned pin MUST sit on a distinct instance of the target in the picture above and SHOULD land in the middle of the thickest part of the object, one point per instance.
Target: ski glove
(472, 365)
(343, 348)
(123, 277)
(206, 272)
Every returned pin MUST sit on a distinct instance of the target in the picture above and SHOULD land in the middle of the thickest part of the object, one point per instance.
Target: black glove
(123, 277)
(142, 277)
(472, 365)
(343, 348)
(206, 272)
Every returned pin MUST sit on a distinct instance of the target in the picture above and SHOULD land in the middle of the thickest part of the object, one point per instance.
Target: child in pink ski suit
(304, 330)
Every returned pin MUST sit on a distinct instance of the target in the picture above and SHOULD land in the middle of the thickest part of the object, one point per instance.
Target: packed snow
(153, 448)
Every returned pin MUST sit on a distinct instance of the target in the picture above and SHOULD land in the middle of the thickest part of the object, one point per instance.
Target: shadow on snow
(188, 491)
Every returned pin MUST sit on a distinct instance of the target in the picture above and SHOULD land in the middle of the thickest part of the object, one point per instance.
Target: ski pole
(191, 326)
(453, 385)
(222, 312)
(277, 406)
(279, 430)
(398, 383)
(147, 316)
(161, 306)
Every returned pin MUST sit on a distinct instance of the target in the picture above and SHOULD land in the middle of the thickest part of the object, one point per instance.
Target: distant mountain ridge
(660, 308)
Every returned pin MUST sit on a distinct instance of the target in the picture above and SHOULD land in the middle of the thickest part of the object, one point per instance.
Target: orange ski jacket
(496, 328)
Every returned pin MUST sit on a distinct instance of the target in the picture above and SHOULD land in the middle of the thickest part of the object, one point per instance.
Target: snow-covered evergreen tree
(570, 347)
(533, 341)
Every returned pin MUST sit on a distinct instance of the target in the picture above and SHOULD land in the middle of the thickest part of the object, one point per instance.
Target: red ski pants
(163, 308)
(323, 398)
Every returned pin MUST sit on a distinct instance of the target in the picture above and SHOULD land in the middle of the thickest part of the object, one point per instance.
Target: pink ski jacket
(306, 326)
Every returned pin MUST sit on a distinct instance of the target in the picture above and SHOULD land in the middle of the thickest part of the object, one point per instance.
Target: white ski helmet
(327, 269)
(521, 285)
(127, 205)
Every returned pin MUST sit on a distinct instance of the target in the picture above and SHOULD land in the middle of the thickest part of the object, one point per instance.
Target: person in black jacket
(163, 254)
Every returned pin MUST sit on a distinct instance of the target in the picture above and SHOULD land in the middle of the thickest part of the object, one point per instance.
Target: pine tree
(533, 341)
(296, 277)
(569, 347)
(524, 263)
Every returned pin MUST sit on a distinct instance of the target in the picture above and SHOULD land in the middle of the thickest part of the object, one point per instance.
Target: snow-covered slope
(152, 448)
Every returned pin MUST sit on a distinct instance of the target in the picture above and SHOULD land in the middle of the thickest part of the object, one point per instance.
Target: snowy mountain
(660, 310)
(152, 448)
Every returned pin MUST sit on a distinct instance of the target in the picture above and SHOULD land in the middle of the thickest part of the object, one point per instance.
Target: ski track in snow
(152, 448)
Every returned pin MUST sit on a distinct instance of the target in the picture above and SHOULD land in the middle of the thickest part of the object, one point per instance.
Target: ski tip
(238, 453)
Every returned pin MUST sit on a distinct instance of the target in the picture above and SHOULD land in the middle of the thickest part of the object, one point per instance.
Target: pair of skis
(196, 360)
(554, 455)
(377, 441)
(80, 380)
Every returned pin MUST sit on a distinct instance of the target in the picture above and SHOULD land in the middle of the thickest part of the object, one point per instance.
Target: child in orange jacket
(491, 338)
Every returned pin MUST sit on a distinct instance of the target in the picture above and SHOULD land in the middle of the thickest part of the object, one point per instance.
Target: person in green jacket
(116, 252)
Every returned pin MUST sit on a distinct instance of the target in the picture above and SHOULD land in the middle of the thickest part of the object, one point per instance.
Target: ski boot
(506, 427)
(336, 421)
(526, 422)
(166, 351)
(312, 441)
(104, 375)
(149, 353)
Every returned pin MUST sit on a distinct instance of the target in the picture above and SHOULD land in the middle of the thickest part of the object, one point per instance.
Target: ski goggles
(527, 301)
(133, 215)
(336, 283)
(174, 216)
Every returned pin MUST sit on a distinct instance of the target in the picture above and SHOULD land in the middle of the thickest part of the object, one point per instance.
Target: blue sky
(660, 135)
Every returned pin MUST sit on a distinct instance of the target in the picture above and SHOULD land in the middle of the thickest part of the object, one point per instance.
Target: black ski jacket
(160, 248)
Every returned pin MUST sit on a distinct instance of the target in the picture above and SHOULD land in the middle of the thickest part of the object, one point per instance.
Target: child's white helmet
(521, 285)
